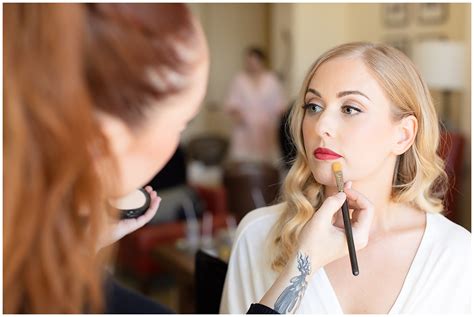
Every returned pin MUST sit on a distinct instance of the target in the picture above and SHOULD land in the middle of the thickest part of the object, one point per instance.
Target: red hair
(63, 62)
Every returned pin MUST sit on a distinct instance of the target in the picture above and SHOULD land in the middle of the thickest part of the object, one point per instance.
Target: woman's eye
(312, 107)
(350, 110)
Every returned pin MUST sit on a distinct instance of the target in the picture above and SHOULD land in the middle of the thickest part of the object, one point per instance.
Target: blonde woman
(365, 106)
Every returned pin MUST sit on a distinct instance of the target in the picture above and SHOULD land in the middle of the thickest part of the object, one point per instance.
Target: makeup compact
(134, 204)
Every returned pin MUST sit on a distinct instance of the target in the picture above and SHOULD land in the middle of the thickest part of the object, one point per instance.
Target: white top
(261, 106)
(439, 279)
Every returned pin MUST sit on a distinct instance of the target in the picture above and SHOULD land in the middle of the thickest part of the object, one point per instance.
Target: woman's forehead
(344, 74)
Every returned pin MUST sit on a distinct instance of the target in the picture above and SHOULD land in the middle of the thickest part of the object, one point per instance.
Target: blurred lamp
(441, 64)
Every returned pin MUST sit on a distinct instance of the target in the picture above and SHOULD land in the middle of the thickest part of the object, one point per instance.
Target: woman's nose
(326, 124)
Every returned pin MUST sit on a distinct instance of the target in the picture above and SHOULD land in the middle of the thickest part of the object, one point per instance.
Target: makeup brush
(337, 169)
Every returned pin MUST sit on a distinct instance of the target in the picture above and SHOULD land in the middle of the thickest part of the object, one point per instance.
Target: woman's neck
(378, 190)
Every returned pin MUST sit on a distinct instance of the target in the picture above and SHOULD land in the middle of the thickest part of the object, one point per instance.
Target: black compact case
(139, 210)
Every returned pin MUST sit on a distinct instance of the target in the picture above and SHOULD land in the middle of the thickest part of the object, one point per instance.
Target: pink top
(261, 107)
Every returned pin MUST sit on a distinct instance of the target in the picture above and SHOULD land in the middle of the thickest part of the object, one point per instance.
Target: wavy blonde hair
(419, 176)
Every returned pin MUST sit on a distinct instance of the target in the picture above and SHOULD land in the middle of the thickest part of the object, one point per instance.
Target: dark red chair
(451, 150)
(250, 185)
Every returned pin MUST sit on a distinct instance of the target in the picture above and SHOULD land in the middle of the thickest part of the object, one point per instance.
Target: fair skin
(143, 151)
(348, 113)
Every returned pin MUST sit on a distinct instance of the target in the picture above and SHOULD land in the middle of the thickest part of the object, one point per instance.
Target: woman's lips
(325, 154)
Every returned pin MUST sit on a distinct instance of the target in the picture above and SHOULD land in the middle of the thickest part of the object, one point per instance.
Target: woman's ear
(407, 129)
(117, 134)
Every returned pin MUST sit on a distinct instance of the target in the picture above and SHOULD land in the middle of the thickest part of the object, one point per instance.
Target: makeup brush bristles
(337, 169)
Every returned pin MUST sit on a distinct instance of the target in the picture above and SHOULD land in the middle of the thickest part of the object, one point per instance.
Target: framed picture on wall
(395, 14)
(432, 13)
(400, 42)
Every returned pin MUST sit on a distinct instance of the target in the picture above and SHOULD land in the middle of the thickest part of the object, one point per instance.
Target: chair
(209, 281)
(250, 185)
(135, 250)
(451, 150)
(209, 149)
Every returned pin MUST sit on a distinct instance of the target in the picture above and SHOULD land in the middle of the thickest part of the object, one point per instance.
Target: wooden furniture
(209, 149)
(180, 264)
(209, 278)
(135, 250)
(199, 276)
(250, 185)
(451, 150)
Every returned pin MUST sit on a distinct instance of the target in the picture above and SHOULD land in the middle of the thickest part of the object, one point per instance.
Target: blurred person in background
(255, 103)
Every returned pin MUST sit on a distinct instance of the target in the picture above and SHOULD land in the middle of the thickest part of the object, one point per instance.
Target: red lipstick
(325, 154)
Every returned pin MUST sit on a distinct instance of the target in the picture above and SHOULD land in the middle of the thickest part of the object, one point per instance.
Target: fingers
(364, 209)
(348, 185)
(331, 205)
(155, 203)
(356, 200)
(150, 213)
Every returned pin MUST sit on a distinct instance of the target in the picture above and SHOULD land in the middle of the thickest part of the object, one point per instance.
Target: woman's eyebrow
(351, 92)
(340, 94)
(314, 91)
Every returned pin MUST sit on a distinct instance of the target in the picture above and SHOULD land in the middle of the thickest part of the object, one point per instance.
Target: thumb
(331, 205)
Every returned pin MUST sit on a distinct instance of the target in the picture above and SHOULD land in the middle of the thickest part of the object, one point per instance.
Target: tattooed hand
(325, 242)
(320, 242)
(290, 298)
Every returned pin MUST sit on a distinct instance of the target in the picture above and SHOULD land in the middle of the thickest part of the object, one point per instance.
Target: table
(180, 264)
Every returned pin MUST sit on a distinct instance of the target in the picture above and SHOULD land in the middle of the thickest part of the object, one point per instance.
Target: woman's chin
(325, 178)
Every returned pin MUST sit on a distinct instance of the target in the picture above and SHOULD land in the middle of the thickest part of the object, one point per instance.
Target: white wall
(230, 29)
(317, 27)
(281, 42)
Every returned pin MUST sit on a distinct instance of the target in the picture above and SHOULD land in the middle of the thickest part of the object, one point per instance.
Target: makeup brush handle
(350, 239)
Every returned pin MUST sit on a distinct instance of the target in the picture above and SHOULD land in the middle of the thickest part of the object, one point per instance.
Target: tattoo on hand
(290, 299)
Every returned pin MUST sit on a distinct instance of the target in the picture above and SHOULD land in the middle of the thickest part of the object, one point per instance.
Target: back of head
(137, 53)
(258, 53)
(64, 63)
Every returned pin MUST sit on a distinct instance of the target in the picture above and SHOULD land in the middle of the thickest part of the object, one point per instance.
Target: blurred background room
(207, 190)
